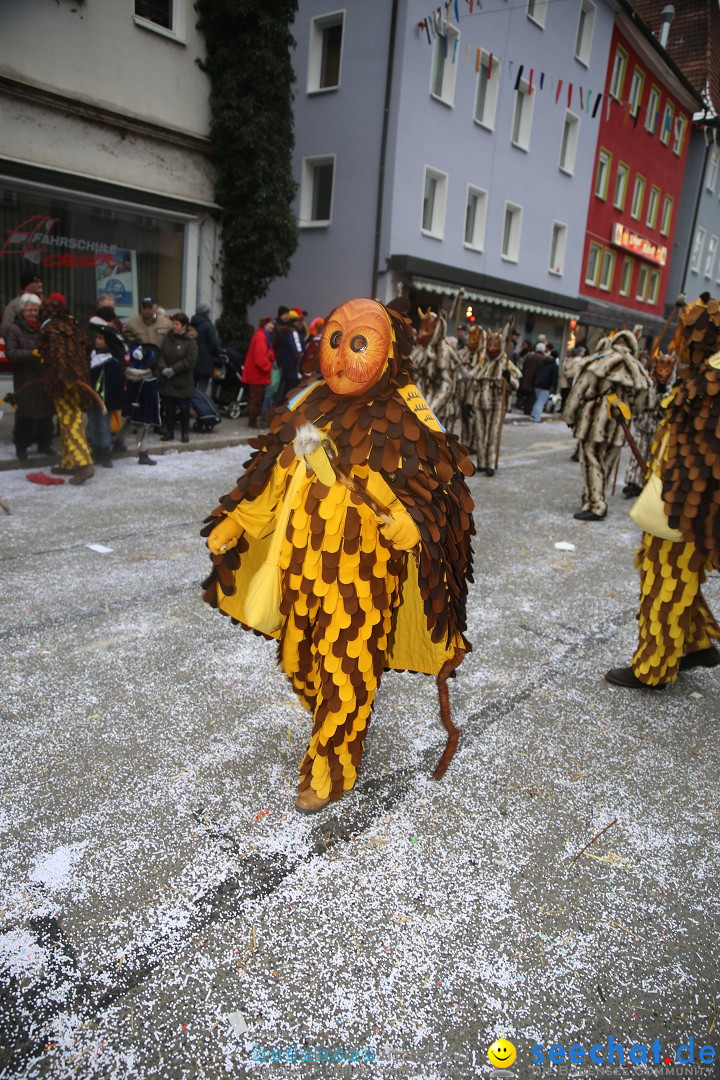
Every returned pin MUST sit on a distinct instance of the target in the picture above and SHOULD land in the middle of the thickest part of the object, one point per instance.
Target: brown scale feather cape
(379, 429)
(691, 473)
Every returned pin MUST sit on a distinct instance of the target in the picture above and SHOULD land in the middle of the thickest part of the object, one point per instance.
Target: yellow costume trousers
(74, 449)
(340, 582)
(673, 618)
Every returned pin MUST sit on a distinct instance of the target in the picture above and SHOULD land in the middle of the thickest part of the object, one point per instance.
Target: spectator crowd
(86, 381)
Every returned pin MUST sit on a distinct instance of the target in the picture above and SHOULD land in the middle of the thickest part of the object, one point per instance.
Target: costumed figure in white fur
(493, 378)
(437, 366)
(614, 370)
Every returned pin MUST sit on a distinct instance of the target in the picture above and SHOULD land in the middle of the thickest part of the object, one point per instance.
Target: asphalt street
(165, 912)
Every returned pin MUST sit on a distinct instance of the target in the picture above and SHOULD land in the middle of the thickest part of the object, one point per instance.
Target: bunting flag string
(437, 25)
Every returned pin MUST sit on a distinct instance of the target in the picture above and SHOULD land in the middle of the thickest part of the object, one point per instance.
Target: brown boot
(82, 475)
(308, 801)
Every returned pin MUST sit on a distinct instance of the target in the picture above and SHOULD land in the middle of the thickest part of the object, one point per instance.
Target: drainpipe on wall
(383, 147)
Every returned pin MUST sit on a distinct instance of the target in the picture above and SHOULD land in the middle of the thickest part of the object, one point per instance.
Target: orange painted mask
(356, 342)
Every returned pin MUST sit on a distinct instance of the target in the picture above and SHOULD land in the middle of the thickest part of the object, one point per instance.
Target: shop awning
(474, 297)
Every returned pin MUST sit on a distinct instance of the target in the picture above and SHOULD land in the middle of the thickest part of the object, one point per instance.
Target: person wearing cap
(30, 282)
(208, 346)
(149, 327)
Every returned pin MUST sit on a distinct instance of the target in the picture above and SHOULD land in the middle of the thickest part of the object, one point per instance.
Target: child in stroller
(227, 389)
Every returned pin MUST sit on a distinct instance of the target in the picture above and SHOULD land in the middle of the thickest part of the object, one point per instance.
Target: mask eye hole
(358, 343)
(335, 339)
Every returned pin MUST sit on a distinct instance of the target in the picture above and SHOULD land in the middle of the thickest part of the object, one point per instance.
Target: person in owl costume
(350, 546)
(676, 628)
(492, 377)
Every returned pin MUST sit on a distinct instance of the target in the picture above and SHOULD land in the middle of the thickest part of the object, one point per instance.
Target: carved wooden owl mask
(355, 345)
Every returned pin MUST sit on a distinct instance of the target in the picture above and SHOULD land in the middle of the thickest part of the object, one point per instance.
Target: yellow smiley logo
(502, 1053)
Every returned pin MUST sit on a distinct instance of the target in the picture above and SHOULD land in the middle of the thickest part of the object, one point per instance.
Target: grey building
(449, 157)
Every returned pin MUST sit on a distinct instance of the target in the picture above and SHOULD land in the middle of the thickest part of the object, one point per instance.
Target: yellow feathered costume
(351, 600)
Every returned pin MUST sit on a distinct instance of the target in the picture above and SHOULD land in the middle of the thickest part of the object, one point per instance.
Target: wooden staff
(678, 305)
(619, 411)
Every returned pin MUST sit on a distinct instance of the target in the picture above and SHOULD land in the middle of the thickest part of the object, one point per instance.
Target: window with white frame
(617, 79)
(626, 279)
(166, 17)
(602, 176)
(642, 283)
(316, 190)
(652, 206)
(638, 197)
(558, 244)
(712, 170)
(710, 257)
(698, 245)
(522, 116)
(667, 123)
(475, 211)
(592, 268)
(607, 269)
(434, 200)
(537, 11)
(679, 140)
(653, 108)
(621, 183)
(486, 93)
(654, 287)
(636, 91)
(584, 35)
(568, 147)
(325, 52)
(512, 227)
(666, 219)
(445, 64)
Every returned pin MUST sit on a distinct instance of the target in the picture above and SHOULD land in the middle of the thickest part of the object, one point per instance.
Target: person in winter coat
(290, 351)
(208, 346)
(544, 384)
(526, 391)
(615, 369)
(33, 418)
(149, 327)
(107, 377)
(174, 369)
(257, 371)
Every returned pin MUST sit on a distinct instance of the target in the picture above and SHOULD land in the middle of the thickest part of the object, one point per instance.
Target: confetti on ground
(237, 1021)
(100, 548)
(564, 545)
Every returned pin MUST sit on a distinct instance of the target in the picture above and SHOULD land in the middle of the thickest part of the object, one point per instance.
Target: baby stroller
(227, 388)
(206, 412)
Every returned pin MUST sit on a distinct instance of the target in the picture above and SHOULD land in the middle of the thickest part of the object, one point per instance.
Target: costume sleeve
(257, 516)
(383, 494)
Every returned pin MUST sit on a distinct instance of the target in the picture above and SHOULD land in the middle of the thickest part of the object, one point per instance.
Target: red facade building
(643, 138)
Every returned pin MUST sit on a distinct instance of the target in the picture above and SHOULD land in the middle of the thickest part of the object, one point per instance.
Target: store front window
(82, 248)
